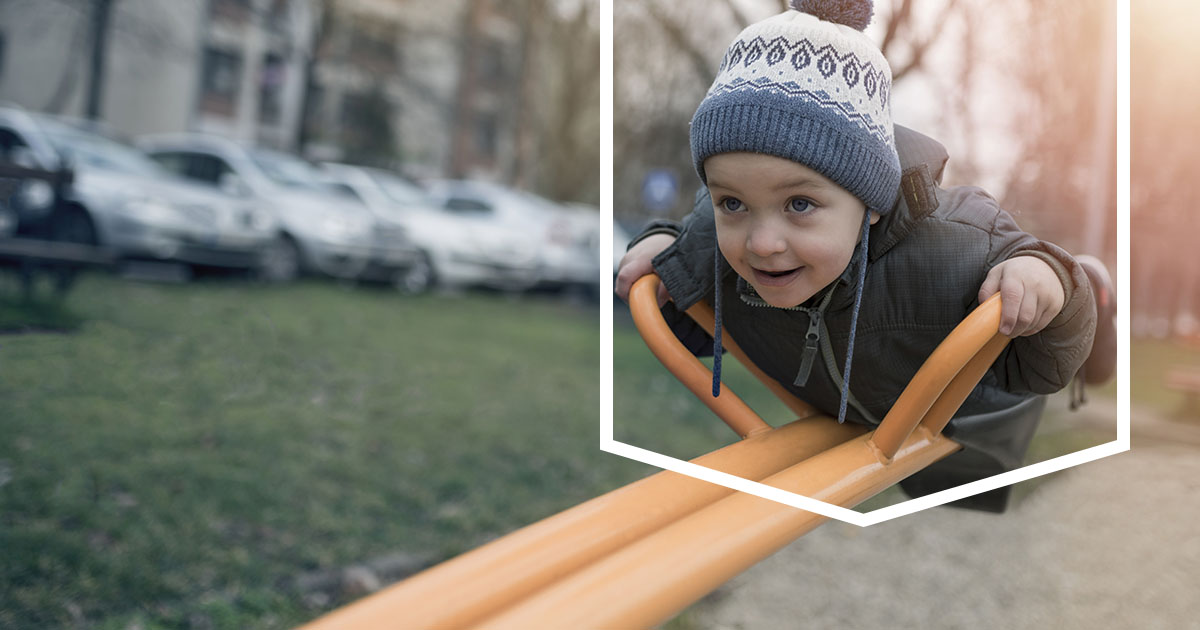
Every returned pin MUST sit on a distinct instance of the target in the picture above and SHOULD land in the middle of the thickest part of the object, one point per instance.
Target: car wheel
(280, 261)
(73, 225)
(418, 277)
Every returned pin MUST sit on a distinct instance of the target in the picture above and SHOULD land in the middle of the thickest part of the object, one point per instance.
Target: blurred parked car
(321, 229)
(564, 242)
(123, 200)
(458, 248)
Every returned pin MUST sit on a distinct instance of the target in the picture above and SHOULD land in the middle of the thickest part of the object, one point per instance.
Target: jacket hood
(922, 164)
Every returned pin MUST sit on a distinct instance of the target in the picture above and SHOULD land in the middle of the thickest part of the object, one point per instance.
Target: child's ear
(874, 216)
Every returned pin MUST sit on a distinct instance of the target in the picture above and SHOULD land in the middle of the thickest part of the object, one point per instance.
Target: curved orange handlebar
(945, 379)
(931, 398)
(643, 305)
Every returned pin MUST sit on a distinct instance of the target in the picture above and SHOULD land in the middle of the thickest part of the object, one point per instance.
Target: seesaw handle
(643, 305)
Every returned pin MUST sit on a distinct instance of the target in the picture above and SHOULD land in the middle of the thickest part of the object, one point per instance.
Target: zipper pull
(809, 354)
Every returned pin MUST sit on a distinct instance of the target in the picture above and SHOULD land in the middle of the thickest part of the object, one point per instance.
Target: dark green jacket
(928, 258)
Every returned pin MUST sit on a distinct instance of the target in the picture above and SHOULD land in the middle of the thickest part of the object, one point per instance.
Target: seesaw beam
(464, 590)
(648, 581)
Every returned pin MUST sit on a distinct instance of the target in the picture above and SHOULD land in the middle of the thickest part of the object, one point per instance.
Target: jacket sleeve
(686, 266)
(1046, 362)
(677, 267)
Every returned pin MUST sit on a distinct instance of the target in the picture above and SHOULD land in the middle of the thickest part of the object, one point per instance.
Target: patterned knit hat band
(807, 90)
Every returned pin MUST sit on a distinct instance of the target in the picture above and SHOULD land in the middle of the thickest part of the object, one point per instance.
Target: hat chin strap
(858, 291)
(716, 371)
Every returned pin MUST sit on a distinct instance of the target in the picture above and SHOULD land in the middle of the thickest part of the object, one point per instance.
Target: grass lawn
(189, 451)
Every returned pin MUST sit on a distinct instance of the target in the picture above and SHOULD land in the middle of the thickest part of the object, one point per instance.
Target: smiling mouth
(776, 278)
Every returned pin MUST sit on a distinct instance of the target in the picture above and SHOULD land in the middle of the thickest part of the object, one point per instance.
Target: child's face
(785, 229)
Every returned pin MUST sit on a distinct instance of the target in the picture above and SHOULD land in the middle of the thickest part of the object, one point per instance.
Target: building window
(270, 86)
(493, 71)
(486, 128)
(222, 76)
(237, 11)
(373, 47)
(277, 16)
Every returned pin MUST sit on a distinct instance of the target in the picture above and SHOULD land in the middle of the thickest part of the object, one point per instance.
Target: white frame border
(608, 444)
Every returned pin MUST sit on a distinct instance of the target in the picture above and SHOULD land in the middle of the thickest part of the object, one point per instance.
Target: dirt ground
(1110, 544)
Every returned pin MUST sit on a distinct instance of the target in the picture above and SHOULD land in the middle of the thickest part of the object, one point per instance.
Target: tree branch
(921, 47)
(739, 16)
(901, 15)
(677, 35)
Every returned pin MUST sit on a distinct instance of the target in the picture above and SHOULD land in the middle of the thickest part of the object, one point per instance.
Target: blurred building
(441, 79)
(437, 87)
(250, 69)
(232, 67)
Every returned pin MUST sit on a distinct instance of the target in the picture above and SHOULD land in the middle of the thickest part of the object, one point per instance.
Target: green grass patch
(192, 449)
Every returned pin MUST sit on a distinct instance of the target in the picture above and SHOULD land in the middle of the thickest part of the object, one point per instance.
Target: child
(828, 249)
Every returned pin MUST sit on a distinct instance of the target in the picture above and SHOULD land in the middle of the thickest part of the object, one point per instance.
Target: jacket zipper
(816, 338)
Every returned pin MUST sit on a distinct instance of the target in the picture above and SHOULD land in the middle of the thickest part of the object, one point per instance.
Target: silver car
(124, 201)
(563, 241)
(458, 249)
(320, 230)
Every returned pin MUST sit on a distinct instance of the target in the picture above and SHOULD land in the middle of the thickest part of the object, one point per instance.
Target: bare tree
(570, 154)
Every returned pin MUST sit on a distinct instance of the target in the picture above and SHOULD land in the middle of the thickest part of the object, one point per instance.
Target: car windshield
(291, 172)
(398, 190)
(86, 149)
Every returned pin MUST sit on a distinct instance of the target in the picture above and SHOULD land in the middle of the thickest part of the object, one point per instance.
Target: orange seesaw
(635, 556)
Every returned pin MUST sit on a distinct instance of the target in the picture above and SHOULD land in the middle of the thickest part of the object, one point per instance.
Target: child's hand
(1030, 292)
(636, 263)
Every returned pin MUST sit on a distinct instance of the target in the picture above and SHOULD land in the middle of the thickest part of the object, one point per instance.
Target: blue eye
(730, 204)
(799, 205)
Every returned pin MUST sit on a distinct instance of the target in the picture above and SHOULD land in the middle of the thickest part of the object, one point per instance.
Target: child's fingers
(1012, 298)
(991, 284)
(1027, 315)
(630, 271)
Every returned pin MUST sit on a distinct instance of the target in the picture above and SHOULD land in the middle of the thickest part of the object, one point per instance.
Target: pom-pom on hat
(808, 86)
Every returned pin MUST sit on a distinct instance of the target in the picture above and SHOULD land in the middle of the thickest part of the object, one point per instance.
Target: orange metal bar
(643, 304)
(646, 582)
(479, 583)
(957, 391)
(703, 314)
(960, 346)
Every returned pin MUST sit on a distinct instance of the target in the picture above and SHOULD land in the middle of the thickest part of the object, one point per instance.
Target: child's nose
(765, 239)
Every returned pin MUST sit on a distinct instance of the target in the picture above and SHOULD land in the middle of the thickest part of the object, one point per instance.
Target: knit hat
(806, 85)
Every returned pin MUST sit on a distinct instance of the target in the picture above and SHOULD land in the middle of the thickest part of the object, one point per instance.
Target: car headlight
(151, 210)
